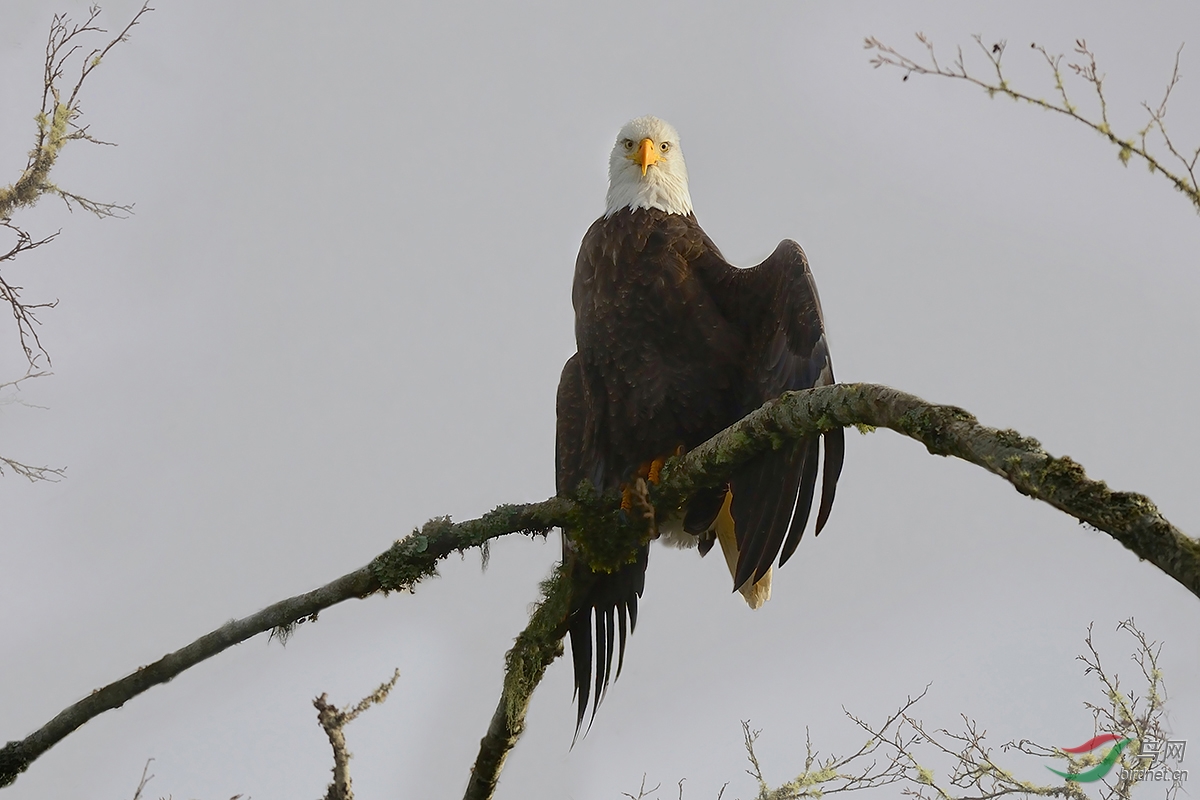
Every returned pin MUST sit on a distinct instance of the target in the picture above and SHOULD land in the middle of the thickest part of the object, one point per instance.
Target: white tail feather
(755, 593)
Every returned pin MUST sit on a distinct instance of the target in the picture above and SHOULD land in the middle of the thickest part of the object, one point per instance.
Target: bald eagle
(674, 344)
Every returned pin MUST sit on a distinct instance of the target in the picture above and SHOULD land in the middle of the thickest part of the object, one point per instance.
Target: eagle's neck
(666, 191)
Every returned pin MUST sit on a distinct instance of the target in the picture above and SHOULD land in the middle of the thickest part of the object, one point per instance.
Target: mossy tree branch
(57, 118)
(524, 665)
(399, 568)
(57, 124)
(1131, 519)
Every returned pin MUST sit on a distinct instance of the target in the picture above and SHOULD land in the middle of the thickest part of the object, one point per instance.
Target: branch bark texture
(400, 567)
(1131, 519)
(334, 721)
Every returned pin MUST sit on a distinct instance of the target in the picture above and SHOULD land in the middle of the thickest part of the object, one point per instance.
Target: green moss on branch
(524, 666)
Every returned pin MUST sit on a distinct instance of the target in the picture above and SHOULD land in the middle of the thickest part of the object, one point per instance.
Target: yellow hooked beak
(646, 155)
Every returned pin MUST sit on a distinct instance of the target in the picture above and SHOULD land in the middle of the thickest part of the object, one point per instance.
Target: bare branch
(101, 210)
(1088, 71)
(333, 720)
(24, 314)
(975, 773)
(31, 472)
(146, 778)
(15, 397)
(1131, 519)
(27, 471)
(644, 793)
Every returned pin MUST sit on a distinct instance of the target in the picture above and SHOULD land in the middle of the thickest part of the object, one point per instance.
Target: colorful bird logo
(1100, 770)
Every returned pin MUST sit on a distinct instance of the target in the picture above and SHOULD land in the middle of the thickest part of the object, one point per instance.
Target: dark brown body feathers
(674, 345)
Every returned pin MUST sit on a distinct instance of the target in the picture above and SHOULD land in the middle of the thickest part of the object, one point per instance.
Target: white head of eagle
(646, 169)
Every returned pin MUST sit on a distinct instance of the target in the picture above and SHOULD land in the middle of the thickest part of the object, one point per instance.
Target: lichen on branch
(524, 666)
(57, 123)
(57, 119)
(333, 721)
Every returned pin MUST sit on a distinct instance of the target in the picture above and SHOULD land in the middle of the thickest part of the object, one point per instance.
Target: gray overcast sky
(342, 308)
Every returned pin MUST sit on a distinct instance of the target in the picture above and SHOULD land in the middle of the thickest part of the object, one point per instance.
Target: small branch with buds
(1176, 166)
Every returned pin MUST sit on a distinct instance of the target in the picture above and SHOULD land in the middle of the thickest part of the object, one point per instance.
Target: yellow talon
(656, 469)
(626, 499)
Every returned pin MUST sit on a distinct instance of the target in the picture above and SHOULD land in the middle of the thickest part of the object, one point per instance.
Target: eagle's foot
(655, 472)
(639, 496)
(626, 499)
(652, 470)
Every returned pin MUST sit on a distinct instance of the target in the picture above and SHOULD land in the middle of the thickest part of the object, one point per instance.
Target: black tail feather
(622, 619)
(581, 655)
(596, 632)
(602, 655)
(608, 658)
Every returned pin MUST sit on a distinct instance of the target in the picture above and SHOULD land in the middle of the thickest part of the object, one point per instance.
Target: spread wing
(603, 604)
(776, 305)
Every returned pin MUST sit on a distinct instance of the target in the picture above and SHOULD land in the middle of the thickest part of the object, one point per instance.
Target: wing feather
(835, 452)
(777, 306)
(808, 483)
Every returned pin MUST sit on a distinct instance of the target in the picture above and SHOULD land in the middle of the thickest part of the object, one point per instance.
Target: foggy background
(342, 305)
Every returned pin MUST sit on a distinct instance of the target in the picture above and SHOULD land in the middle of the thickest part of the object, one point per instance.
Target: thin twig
(24, 313)
(146, 778)
(896, 749)
(27, 471)
(1088, 71)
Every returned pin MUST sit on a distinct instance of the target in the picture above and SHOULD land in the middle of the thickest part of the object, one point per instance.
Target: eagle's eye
(628, 144)
(665, 146)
